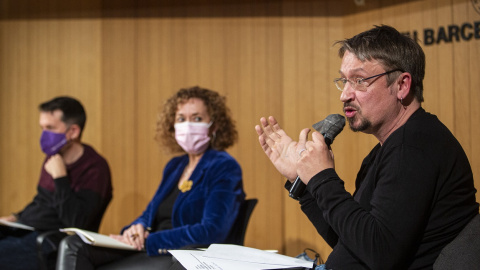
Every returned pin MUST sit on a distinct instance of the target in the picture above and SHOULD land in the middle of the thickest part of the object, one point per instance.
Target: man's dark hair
(73, 112)
(393, 50)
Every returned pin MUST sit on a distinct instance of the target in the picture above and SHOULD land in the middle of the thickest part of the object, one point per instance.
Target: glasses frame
(359, 81)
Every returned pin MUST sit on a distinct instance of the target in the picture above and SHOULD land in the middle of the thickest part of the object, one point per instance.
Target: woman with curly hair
(198, 199)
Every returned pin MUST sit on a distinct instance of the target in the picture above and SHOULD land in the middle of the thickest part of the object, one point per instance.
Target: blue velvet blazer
(202, 215)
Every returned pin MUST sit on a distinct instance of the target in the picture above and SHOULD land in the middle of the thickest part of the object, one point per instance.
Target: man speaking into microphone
(414, 190)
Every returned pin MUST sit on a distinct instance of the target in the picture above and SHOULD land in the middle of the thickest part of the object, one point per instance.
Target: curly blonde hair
(226, 133)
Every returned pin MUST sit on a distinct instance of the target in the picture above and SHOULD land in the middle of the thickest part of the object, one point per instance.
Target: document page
(96, 239)
(233, 257)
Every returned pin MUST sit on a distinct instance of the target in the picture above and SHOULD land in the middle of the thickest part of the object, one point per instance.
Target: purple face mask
(52, 142)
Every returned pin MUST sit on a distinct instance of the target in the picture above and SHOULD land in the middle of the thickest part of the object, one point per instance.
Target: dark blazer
(202, 215)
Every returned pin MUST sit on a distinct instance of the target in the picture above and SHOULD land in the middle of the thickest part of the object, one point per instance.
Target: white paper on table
(233, 257)
(193, 260)
(253, 255)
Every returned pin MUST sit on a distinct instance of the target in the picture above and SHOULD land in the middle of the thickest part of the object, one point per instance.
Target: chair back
(464, 251)
(50, 240)
(236, 235)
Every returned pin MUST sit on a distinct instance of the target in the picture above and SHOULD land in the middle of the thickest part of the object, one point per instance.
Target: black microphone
(329, 127)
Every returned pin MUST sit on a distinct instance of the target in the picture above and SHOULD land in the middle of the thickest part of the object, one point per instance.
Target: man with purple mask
(74, 187)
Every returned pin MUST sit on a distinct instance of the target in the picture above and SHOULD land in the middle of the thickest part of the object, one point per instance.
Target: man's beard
(364, 123)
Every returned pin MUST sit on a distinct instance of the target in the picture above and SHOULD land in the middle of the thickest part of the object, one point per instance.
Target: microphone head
(330, 127)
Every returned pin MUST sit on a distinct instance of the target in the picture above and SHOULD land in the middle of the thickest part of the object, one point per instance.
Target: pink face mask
(192, 136)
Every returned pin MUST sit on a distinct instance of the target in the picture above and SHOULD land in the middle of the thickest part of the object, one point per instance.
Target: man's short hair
(393, 50)
(73, 111)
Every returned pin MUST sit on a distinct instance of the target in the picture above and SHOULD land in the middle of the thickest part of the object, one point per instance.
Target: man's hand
(279, 147)
(316, 158)
(134, 236)
(55, 166)
(10, 218)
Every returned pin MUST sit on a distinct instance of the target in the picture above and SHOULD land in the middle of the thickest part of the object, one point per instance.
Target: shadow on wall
(26, 9)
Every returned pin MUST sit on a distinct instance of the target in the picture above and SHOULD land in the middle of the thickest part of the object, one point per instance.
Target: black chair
(237, 233)
(464, 251)
(48, 242)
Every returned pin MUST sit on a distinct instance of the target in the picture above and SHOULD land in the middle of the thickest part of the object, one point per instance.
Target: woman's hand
(10, 218)
(134, 236)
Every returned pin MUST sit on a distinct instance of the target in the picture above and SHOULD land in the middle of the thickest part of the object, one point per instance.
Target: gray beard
(364, 124)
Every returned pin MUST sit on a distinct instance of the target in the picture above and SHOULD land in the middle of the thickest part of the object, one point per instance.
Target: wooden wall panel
(124, 58)
(120, 120)
(460, 76)
(16, 144)
(465, 67)
(438, 79)
(470, 72)
(309, 96)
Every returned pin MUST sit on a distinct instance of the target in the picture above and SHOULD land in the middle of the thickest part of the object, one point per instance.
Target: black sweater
(413, 195)
(77, 200)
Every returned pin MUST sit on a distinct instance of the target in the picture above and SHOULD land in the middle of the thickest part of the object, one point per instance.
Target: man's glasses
(358, 84)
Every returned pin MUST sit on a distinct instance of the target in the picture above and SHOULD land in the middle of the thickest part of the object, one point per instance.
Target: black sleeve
(314, 214)
(77, 209)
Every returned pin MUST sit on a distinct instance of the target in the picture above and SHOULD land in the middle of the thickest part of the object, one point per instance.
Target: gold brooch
(186, 186)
